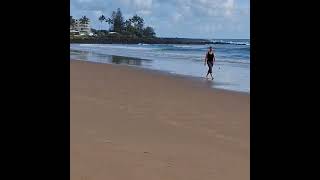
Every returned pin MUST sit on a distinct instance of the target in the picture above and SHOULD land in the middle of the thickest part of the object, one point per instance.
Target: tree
(116, 21)
(129, 29)
(84, 20)
(110, 20)
(119, 22)
(134, 26)
(101, 19)
(138, 22)
(94, 31)
(149, 32)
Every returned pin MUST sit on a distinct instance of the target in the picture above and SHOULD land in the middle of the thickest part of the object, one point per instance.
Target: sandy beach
(134, 124)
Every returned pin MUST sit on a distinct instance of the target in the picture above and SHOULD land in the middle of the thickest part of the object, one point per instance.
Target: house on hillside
(80, 28)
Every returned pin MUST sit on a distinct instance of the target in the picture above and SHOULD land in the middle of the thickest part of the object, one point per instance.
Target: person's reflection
(126, 60)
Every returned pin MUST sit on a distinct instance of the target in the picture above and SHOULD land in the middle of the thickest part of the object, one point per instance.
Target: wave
(234, 61)
(183, 49)
(142, 44)
(182, 46)
(230, 42)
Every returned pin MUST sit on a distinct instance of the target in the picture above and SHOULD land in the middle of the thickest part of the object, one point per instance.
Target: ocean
(231, 70)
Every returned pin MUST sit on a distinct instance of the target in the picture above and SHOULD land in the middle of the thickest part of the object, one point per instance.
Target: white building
(74, 32)
(80, 29)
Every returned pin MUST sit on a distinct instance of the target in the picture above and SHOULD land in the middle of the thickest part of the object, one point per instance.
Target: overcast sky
(176, 18)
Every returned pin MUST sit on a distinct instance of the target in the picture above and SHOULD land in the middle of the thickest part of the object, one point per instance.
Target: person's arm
(214, 58)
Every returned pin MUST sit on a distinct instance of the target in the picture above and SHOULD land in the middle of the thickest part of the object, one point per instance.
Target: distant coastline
(120, 39)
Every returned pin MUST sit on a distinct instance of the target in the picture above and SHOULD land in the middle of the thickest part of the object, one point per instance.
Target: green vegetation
(133, 26)
(84, 20)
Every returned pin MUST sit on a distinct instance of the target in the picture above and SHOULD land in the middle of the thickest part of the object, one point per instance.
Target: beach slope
(128, 123)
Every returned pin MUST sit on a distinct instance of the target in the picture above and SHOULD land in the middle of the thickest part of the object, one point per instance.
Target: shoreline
(193, 79)
(159, 40)
(128, 123)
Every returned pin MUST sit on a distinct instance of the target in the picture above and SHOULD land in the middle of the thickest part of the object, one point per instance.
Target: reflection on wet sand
(126, 60)
(103, 58)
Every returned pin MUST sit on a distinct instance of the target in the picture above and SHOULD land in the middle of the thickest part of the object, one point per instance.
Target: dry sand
(131, 124)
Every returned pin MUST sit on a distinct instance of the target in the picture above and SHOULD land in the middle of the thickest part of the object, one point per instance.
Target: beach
(138, 124)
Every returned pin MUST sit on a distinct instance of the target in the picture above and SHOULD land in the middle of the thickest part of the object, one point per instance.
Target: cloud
(229, 6)
(190, 18)
(176, 17)
(144, 12)
(142, 4)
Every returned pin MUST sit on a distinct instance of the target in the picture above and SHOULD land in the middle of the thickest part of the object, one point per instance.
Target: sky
(212, 19)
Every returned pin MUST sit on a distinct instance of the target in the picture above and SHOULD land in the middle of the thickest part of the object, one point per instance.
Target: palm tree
(111, 21)
(84, 20)
(101, 19)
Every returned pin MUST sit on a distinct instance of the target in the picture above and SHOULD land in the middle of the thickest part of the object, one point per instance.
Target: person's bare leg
(211, 76)
(207, 75)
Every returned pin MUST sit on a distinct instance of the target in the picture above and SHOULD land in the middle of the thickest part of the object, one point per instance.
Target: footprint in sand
(107, 141)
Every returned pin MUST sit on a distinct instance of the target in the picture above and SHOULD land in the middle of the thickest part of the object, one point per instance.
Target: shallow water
(231, 70)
